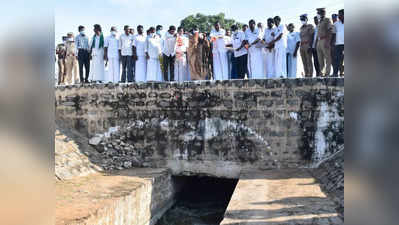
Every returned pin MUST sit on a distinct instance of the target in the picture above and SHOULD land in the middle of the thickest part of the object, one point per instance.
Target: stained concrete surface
(279, 197)
(130, 197)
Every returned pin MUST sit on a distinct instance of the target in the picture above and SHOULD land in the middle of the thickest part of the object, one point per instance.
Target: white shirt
(140, 43)
(113, 46)
(181, 44)
(252, 36)
(169, 43)
(125, 44)
(237, 39)
(154, 46)
(268, 35)
(314, 37)
(218, 45)
(339, 27)
(282, 43)
(292, 39)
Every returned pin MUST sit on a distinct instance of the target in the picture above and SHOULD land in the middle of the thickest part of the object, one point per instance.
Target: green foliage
(205, 22)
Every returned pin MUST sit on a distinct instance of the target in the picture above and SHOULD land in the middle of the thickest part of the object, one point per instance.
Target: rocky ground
(330, 175)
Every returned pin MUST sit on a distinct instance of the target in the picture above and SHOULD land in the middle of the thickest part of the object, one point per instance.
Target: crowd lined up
(252, 52)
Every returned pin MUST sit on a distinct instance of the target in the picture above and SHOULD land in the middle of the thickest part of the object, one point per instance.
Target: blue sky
(71, 13)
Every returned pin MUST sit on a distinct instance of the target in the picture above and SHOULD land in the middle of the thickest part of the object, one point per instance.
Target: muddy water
(202, 201)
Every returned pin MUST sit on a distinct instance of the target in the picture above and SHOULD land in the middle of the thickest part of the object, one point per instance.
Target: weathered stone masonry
(210, 127)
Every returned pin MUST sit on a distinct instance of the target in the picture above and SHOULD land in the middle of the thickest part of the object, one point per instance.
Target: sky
(69, 14)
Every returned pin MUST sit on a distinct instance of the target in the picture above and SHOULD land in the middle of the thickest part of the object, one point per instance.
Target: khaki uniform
(61, 52)
(323, 47)
(71, 69)
(307, 33)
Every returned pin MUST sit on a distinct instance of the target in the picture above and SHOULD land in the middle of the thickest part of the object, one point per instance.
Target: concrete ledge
(129, 197)
(279, 197)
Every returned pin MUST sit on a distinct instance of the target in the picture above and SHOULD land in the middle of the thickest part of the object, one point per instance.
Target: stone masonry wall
(209, 127)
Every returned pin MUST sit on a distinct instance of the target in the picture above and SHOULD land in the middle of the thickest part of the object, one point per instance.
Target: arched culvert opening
(201, 200)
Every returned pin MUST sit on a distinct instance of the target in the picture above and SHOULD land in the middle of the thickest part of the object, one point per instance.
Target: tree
(205, 22)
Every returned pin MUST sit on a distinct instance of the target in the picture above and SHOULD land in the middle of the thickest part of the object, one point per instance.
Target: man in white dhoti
(97, 72)
(139, 49)
(268, 39)
(262, 33)
(153, 53)
(220, 64)
(112, 56)
(293, 41)
(181, 70)
(255, 54)
(280, 45)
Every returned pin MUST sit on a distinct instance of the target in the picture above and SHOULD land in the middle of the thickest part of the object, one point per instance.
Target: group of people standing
(254, 52)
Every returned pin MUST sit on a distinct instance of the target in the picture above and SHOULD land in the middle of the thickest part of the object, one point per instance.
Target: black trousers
(84, 60)
(338, 59)
(316, 62)
(241, 64)
(168, 63)
(127, 68)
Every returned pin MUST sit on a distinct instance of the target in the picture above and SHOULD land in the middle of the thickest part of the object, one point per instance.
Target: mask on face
(318, 17)
(82, 32)
(113, 33)
(304, 22)
(70, 39)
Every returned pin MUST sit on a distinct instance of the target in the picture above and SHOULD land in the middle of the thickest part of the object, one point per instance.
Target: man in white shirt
(220, 64)
(262, 33)
(280, 45)
(153, 53)
(97, 53)
(240, 60)
(181, 66)
(168, 54)
(339, 44)
(229, 52)
(111, 55)
(270, 52)
(126, 48)
(255, 54)
(139, 49)
(293, 42)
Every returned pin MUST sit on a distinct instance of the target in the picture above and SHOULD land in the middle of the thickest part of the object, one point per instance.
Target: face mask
(318, 17)
(70, 39)
(159, 32)
(304, 22)
(113, 33)
(82, 32)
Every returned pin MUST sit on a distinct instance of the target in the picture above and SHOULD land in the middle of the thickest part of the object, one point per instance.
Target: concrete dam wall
(209, 127)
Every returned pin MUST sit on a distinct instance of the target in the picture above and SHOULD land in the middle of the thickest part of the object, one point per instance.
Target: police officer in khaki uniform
(61, 53)
(70, 60)
(306, 33)
(323, 44)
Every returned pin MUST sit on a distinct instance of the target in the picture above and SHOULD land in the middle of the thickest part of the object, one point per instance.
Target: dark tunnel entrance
(202, 200)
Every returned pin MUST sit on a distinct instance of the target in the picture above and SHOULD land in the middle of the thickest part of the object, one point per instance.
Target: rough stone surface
(214, 128)
(279, 197)
(129, 197)
(72, 155)
(330, 175)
